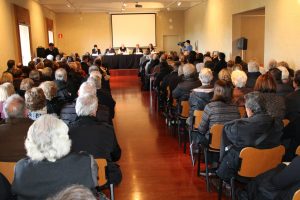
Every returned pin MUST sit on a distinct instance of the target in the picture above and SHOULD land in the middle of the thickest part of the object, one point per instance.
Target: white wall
(210, 23)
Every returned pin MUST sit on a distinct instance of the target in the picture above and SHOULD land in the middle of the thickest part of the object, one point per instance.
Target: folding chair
(8, 170)
(214, 146)
(102, 180)
(253, 163)
(194, 128)
(181, 118)
(285, 122)
(297, 195)
(298, 151)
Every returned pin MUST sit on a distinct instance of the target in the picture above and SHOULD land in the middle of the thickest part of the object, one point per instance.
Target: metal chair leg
(220, 189)
(232, 180)
(206, 170)
(178, 132)
(199, 160)
(192, 153)
(184, 140)
(112, 193)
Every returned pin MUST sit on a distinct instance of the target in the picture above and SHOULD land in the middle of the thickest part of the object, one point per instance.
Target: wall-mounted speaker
(242, 43)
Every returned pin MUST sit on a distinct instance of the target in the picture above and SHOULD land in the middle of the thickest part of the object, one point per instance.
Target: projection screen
(132, 29)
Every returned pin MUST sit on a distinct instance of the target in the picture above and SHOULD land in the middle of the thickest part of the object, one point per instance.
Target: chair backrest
(257, 161)
(285, 122)
(215, 137)
(297, 195)
(185, 109)
(168, 92)
(242, 111)
(102, 163)
(197, 118)
(8, 169)
(298, 151)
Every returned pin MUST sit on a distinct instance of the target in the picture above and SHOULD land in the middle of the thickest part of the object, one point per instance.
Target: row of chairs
(7, 169)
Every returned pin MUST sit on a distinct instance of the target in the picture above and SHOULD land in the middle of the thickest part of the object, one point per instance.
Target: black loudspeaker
(40, 52)
(242, 43)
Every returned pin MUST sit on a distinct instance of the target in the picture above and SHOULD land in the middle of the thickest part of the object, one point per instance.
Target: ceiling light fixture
(168, 9)
(123, 9)
(124, 4)
(179, 3)
(68, 5)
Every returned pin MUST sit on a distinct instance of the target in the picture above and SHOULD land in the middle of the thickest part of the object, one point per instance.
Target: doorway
(25, 43)
(251, 25)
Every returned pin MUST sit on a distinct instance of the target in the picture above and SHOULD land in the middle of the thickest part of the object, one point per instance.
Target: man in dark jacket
(90, 135)
(190, 81)
(220, 65)
(253, 74)
(259, 130)
(292, 101)
(164, 69)
(14, 131)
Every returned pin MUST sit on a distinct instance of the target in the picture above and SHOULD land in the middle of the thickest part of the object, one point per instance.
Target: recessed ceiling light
(179, 3)
(124, 4)
(168, 9)
(123, 9)
(68, 5)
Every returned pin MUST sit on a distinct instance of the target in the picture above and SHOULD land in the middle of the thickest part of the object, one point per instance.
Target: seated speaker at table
(151, 48)
(137, 49)
(95, 50)
(110, 50)
(122, 50)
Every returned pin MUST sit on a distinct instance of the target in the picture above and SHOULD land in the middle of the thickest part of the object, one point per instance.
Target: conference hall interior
(149, 100)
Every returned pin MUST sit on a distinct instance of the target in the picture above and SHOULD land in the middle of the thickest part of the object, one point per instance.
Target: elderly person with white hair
(50, 167)
(13, 132)
(61, 81)
(190, 81)
(253, 74)
(35, 76)
(26, 84)
(91, 135)
(239, 80)
(105, 74)
(202, 95)
(104, 97)
(6, 90)
(53, 103)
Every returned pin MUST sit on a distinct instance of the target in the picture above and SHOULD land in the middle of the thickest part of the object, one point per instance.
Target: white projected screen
(132, 29)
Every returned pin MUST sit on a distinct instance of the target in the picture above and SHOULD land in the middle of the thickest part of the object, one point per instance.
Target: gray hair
(47, 72)
(253, 66)
(93, 68)
(255, 102)
(284, 73)
(272, 64)
(188, 69)
(96, 80)
(34, 75)
(47, 138)
(61, 74)
(87, 88)
(206, 76)
(239, 78)
(14, 107)
(26, 84)
(49, 88)
(86, 105)
(6, 90)
(74, 192)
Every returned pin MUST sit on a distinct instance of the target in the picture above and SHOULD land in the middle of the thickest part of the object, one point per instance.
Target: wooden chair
(102, 178)
(8, 169)
(181, 119)
(285, 122)
(242, 111)
(297, 195)
(298, 151)
(214, 146)
(170, 109)
(255, 162)
(194, 128)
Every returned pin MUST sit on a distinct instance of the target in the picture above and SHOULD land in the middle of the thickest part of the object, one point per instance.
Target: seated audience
(7, 77)
(36, 77)
(50, 167)
(35, 101)
(53, 103)
(218, 111)
(164, 69)
(275, 105)
(282, 89)
(85, 64)
(271, 65)
(47, 74)
(225, 75)
(221, 64)
(239, 79)
(238, 60)
(259, 130)
(5, 188)
(61, 81)
(292, 101)
(6, 90)
(202, 95)
(13, 132)
(105, 74)
(253, 74)
(189, 82)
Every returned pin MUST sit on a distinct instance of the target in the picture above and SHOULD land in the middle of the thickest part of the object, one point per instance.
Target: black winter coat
(183, 89)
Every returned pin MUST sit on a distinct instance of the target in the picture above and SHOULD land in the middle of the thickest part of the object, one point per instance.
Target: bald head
(14, 107)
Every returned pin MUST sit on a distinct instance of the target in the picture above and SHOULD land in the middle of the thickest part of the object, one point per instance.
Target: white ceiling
(83, 6)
